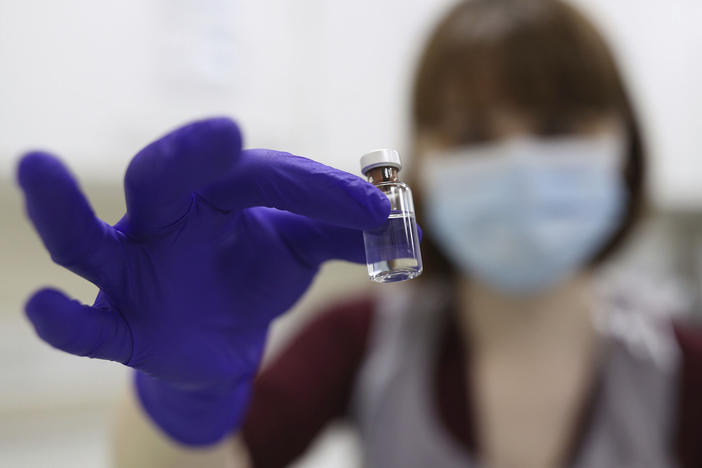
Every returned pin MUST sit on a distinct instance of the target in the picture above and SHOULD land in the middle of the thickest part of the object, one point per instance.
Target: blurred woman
(529, 172)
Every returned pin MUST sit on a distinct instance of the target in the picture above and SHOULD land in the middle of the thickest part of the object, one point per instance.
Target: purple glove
(215, 244)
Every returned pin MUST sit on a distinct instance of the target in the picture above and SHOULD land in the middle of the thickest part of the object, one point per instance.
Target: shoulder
(689, 427)
(334, 338)
(689, 337)
(344, 322)
(356, 312)
(308, 384)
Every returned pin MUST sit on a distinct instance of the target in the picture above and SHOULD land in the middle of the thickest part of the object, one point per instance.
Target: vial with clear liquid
(392, 250)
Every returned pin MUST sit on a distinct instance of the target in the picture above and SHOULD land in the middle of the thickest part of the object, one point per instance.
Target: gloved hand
(215, 244)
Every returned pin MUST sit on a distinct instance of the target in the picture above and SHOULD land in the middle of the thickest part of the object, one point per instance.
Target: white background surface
(95, 80)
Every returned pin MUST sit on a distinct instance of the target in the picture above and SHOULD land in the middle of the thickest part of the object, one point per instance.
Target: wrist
(193, 417)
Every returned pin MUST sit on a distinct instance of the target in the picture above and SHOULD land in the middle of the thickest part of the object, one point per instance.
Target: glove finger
(162, 177)
(78, 329)
(75, 238)
(299, 185)
(315, 242)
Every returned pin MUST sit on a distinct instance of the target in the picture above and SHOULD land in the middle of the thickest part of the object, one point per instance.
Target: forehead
(491, 67)
(504, 124)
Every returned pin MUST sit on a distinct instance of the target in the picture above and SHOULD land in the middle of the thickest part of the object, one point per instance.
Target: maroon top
(310, 384)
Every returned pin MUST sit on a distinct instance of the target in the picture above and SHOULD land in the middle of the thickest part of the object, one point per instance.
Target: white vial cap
(380, 157)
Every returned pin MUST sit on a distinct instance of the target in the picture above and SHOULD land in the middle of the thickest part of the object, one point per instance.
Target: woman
(529, 173)
(510, 371)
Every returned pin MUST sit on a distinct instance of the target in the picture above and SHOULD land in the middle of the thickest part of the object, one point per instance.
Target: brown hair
(538, 58)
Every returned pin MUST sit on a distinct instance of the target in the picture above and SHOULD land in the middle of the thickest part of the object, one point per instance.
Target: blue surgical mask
(524, 213)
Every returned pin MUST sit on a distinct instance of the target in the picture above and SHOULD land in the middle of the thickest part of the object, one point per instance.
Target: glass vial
(392, 250)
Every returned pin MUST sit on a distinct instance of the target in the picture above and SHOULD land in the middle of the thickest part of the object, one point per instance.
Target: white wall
(95, 80)
(658, 44)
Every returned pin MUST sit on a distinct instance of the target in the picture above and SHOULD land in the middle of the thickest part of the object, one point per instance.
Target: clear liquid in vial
(392, 250)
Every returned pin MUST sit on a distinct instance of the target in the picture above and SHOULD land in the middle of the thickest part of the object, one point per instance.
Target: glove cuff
(192, 417)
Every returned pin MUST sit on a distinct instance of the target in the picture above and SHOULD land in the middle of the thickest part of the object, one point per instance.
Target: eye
(474, 134)
(555, 126)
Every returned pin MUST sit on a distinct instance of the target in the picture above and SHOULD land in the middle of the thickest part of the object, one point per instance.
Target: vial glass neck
(382, 174)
